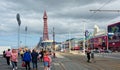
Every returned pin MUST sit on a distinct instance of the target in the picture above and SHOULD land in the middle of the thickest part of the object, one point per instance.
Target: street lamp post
(19, 23)
(25, 35)
(53, 39)
(54, 48)
(84, 38)
(69, 43)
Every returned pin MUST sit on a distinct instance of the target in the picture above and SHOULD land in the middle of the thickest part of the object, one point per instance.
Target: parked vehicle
(107, 51)
(96, 51)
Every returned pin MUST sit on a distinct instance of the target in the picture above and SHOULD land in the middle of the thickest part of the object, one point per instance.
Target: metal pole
(25, 38)
(54, 48)
(107, 41)
(53, 40)
(69, 43)
(25, 35)
(18, 36)
(84, 39)
(19, 23)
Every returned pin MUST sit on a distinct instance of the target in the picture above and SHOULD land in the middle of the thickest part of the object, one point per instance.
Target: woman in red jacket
(46, 60)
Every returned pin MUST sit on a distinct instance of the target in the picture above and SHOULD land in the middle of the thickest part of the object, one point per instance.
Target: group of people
(27, 57)
(11, 57)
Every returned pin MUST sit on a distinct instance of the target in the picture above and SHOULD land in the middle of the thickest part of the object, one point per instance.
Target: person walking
(34, 55)
(50, 62)
(14, 58)
(46, 60)
(27, 59)
(41, 55)
(8, 55)
(21, 54)
(92, 57)
(88, 55)
(4, 55)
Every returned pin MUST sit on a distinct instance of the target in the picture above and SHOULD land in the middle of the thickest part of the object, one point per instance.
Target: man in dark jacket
(88, 55)
(27, 59)
(34, 55)
(42, 54)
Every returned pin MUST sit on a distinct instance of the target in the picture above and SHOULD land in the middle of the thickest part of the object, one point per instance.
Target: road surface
(79, 62)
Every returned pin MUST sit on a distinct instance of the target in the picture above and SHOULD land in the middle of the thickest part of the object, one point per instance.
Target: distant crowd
(27, 57)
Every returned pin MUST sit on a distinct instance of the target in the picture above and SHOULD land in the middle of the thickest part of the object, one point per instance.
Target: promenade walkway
(55, 65)
(67, 61)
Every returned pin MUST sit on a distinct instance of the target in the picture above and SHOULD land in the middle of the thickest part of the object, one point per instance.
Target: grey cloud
(65, 15)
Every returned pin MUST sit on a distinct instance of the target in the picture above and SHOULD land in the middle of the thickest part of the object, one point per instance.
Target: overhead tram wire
(100, 8)
(7, 41)
(106, 10)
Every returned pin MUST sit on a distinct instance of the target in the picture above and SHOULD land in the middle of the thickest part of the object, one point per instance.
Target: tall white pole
(84, 38)
(18, 36)
(25, 35)
(69, 43)
(19, 23)
(54, 48)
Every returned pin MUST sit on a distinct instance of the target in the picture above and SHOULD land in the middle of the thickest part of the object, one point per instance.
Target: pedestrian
(88, 55)
(92, 57)
(27, 59)
(4, 55)
(46, 60)
(14, 58)
(54, 55)
(21, 54)
(50, 57)
(8, 55)
(41, 55)
(34, 55)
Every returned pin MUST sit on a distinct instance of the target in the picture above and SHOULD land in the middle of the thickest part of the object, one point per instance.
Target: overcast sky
(67, 16)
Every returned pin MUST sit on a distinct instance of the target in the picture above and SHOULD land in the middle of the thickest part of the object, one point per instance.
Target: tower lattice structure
(45, 29)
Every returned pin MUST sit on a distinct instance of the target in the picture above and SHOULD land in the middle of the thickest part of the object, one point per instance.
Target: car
(76, 48)
(107, 51)
(96, 51)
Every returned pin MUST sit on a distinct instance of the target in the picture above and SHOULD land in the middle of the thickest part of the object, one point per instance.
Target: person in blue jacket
(27, 59)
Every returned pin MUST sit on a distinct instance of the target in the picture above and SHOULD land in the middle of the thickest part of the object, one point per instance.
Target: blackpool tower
(45, 29)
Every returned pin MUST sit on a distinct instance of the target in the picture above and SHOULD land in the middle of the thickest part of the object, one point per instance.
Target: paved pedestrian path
(4, 66)
(54, 66)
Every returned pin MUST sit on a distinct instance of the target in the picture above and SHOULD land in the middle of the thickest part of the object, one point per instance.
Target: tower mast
(45, 29)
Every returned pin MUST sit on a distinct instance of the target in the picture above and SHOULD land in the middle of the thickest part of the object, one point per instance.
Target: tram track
(82, 62)
(62, 66)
